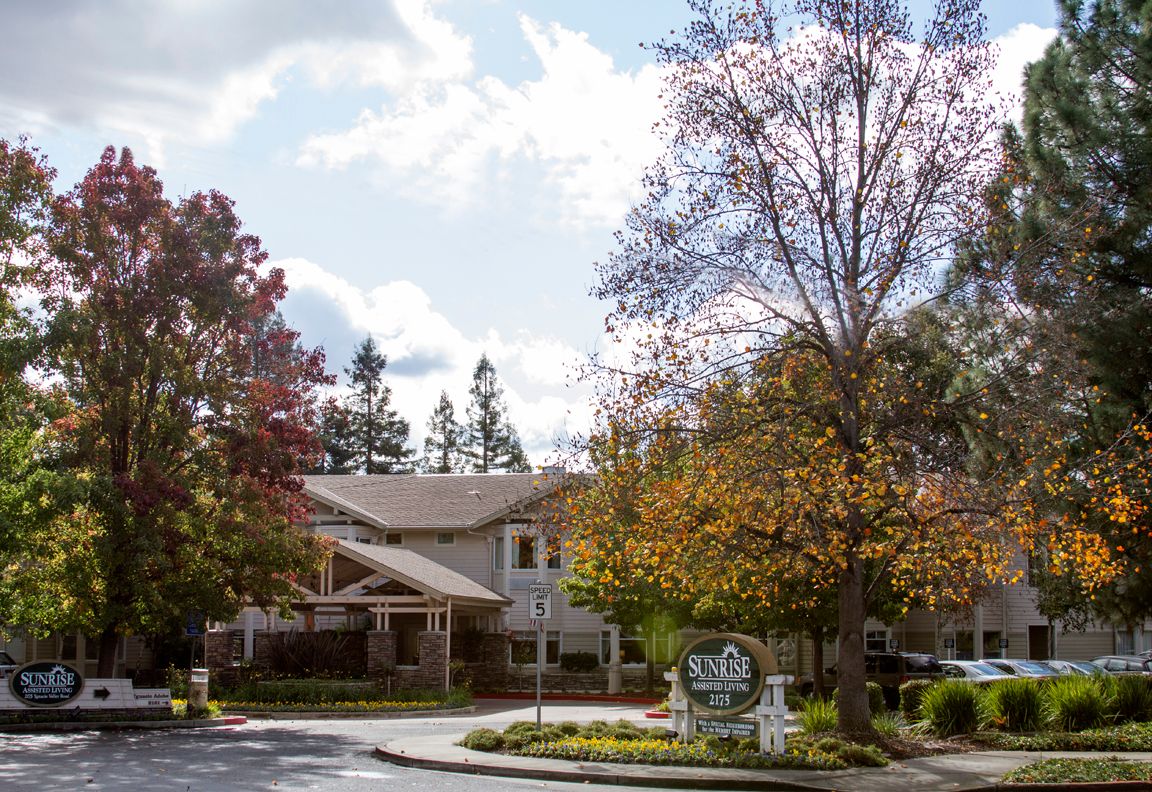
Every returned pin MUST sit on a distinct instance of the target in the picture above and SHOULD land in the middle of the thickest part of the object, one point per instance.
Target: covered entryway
(410, 607)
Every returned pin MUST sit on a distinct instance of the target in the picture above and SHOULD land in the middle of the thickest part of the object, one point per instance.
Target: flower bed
(624, 743)
(1082, 771)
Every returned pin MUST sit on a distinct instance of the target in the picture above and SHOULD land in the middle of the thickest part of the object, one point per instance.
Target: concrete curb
(322, 715)
(619, 775)
(979, 771)
(24, 728)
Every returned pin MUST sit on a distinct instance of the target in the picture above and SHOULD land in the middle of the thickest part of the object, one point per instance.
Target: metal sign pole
(539, 668)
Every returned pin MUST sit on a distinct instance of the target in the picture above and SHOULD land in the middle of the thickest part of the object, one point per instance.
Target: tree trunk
(855, 715)
(817, 635)
(650, 660)
(106, 664)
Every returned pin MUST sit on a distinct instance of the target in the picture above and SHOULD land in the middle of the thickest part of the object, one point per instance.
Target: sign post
(539, 610)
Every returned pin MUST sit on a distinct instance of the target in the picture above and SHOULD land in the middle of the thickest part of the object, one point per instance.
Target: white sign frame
(540, 601)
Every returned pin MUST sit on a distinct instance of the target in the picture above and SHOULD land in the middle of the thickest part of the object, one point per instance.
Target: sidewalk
(972, 771)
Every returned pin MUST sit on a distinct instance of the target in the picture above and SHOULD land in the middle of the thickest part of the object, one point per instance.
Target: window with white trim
(446, 538)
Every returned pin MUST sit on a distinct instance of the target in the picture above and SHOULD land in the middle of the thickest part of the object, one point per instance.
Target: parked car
(887, 669)
(7, 664)
(1074, 667)
(1124, 664)
(1028, 669)
(973, 671)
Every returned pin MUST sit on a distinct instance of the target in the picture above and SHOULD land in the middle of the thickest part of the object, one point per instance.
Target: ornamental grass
(1075, 703)
(951, 707)
(1015, 705)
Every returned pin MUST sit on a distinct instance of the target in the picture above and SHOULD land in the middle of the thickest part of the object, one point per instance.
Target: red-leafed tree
(193, 408)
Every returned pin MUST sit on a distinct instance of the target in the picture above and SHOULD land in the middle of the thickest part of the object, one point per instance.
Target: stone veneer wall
(217, 649)
(432, 671)
(381, 651)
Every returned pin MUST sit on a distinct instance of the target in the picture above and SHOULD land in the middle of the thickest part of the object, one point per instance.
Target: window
(446, 538)
(633, 648)
(875, 640)
(523, 647)
(363, 540)
(523, 552)
(498, 553)
(394, 539)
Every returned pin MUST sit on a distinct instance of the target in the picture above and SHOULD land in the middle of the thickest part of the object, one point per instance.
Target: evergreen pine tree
(335, 434)
(378, 434)
(490, 441)
(442, 444)
(1079, 254)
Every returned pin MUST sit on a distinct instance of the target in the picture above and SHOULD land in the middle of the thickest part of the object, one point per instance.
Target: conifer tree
(442, 444)
(491, 443)
(1077, 251)
(378, 434)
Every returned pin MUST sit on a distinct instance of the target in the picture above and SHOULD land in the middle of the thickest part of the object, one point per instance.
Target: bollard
(198, 688)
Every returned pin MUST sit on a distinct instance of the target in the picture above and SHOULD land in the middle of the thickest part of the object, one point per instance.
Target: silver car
(1074, 667)
(1029, 669)
(973, 671)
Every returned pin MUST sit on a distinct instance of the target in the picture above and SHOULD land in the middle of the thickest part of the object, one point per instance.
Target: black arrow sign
(101, 693)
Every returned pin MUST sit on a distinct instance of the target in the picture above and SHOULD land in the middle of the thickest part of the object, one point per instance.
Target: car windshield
(1035, 668)
(986, 670)
(1087, 668)
(6, 659)
(922, 664)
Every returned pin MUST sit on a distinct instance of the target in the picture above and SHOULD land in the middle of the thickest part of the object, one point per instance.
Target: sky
(439, 174)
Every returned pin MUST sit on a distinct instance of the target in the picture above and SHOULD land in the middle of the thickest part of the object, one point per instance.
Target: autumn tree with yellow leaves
(815, 179)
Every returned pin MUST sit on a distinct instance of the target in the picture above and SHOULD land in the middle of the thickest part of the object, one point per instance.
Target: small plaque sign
(1003, 643)
(153, 698)
(726, 727)
(949, 643)
(46, 683)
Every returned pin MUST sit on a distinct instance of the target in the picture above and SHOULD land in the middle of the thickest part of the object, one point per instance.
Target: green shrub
(951, 707)
(1015, 705)
(483, 740)
(910, 694)
(568, 728)
(1074, 703)
(579, 662)
(876, 702)
(517, 726)
(817, 716)
(862, 755)
(1131, 698)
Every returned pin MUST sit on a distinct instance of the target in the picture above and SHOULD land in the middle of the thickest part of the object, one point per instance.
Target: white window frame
(442, 535)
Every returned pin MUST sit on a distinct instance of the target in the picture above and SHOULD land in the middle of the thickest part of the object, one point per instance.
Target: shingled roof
(419, 572)
(449, 500)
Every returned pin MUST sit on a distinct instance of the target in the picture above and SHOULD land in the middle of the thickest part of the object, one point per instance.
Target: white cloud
(585, 123)
(1018, 47)
(195, 71)
(427, 354)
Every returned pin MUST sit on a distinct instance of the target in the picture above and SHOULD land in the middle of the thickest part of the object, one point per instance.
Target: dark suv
(889, 670)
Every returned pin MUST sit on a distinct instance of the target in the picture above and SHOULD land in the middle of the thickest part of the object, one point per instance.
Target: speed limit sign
(540, 601)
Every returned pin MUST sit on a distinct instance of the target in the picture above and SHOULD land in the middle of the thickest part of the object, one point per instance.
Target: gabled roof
(449, 500)
(420, 573)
